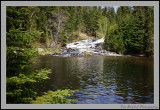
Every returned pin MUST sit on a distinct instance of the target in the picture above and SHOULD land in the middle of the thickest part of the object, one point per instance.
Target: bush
(87, 53)
(57, 97)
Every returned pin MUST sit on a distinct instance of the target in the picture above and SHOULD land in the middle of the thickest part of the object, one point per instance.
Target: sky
(115, 8)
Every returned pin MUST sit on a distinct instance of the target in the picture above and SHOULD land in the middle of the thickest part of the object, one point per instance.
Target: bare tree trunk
(60, 18)
(31, 21)
(51, 45)
(58, 30)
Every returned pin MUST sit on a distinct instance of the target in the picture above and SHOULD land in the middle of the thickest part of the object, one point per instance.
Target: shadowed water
(99, 79)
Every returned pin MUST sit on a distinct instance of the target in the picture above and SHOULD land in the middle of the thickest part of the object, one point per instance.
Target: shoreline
(60, 54)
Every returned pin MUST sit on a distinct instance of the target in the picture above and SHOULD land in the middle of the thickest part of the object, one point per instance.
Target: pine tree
(105, 12)
(111, 15)
(149, 31)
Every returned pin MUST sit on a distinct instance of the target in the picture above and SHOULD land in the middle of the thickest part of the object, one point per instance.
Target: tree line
(132, 31)
(128, 31)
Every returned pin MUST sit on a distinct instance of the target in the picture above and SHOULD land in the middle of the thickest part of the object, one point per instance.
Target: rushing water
(88, 45)
(100, 79)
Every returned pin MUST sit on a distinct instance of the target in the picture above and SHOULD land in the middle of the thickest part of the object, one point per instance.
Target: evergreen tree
(149, 31)
(135, 31)
(111, 15)
(19, 55)
(105, 12)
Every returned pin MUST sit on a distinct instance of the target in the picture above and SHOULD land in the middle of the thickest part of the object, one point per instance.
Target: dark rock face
(76, 43)
(64, 45)
(97, 45)
(71, 50)
(93, 40)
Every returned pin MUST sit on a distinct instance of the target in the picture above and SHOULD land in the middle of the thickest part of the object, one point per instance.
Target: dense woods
(130, 30)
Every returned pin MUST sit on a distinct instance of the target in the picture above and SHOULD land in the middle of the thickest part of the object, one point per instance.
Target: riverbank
(49, 51)
(86, 47)
(58, 52)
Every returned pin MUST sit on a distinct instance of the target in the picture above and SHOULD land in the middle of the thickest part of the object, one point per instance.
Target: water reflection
(100, 80)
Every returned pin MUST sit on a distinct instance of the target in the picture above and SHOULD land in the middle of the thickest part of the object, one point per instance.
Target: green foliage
(149, 32)
(115, 40)
(129, 31)
(20, 54)
(111, 14)
(20, 87)
(18, 59)
(87, 53)
(39, 75)
(91, 20)
(103, 24)
(57, 97)
(134, 31)
(51, 51)
(135, 26)
(16, 17)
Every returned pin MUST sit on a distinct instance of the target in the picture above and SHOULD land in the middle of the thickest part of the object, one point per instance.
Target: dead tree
(60, 20)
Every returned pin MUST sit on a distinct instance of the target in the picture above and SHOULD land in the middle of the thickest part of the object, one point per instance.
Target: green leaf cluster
(23, 30)
(132, 33)
(20, 87)
(57, 97)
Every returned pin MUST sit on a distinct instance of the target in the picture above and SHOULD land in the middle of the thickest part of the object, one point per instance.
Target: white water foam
(89, 45)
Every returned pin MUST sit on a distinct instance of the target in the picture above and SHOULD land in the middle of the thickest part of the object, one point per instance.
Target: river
(100, 79)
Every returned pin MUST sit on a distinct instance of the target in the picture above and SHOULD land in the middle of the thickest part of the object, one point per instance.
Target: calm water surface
(99, 79)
